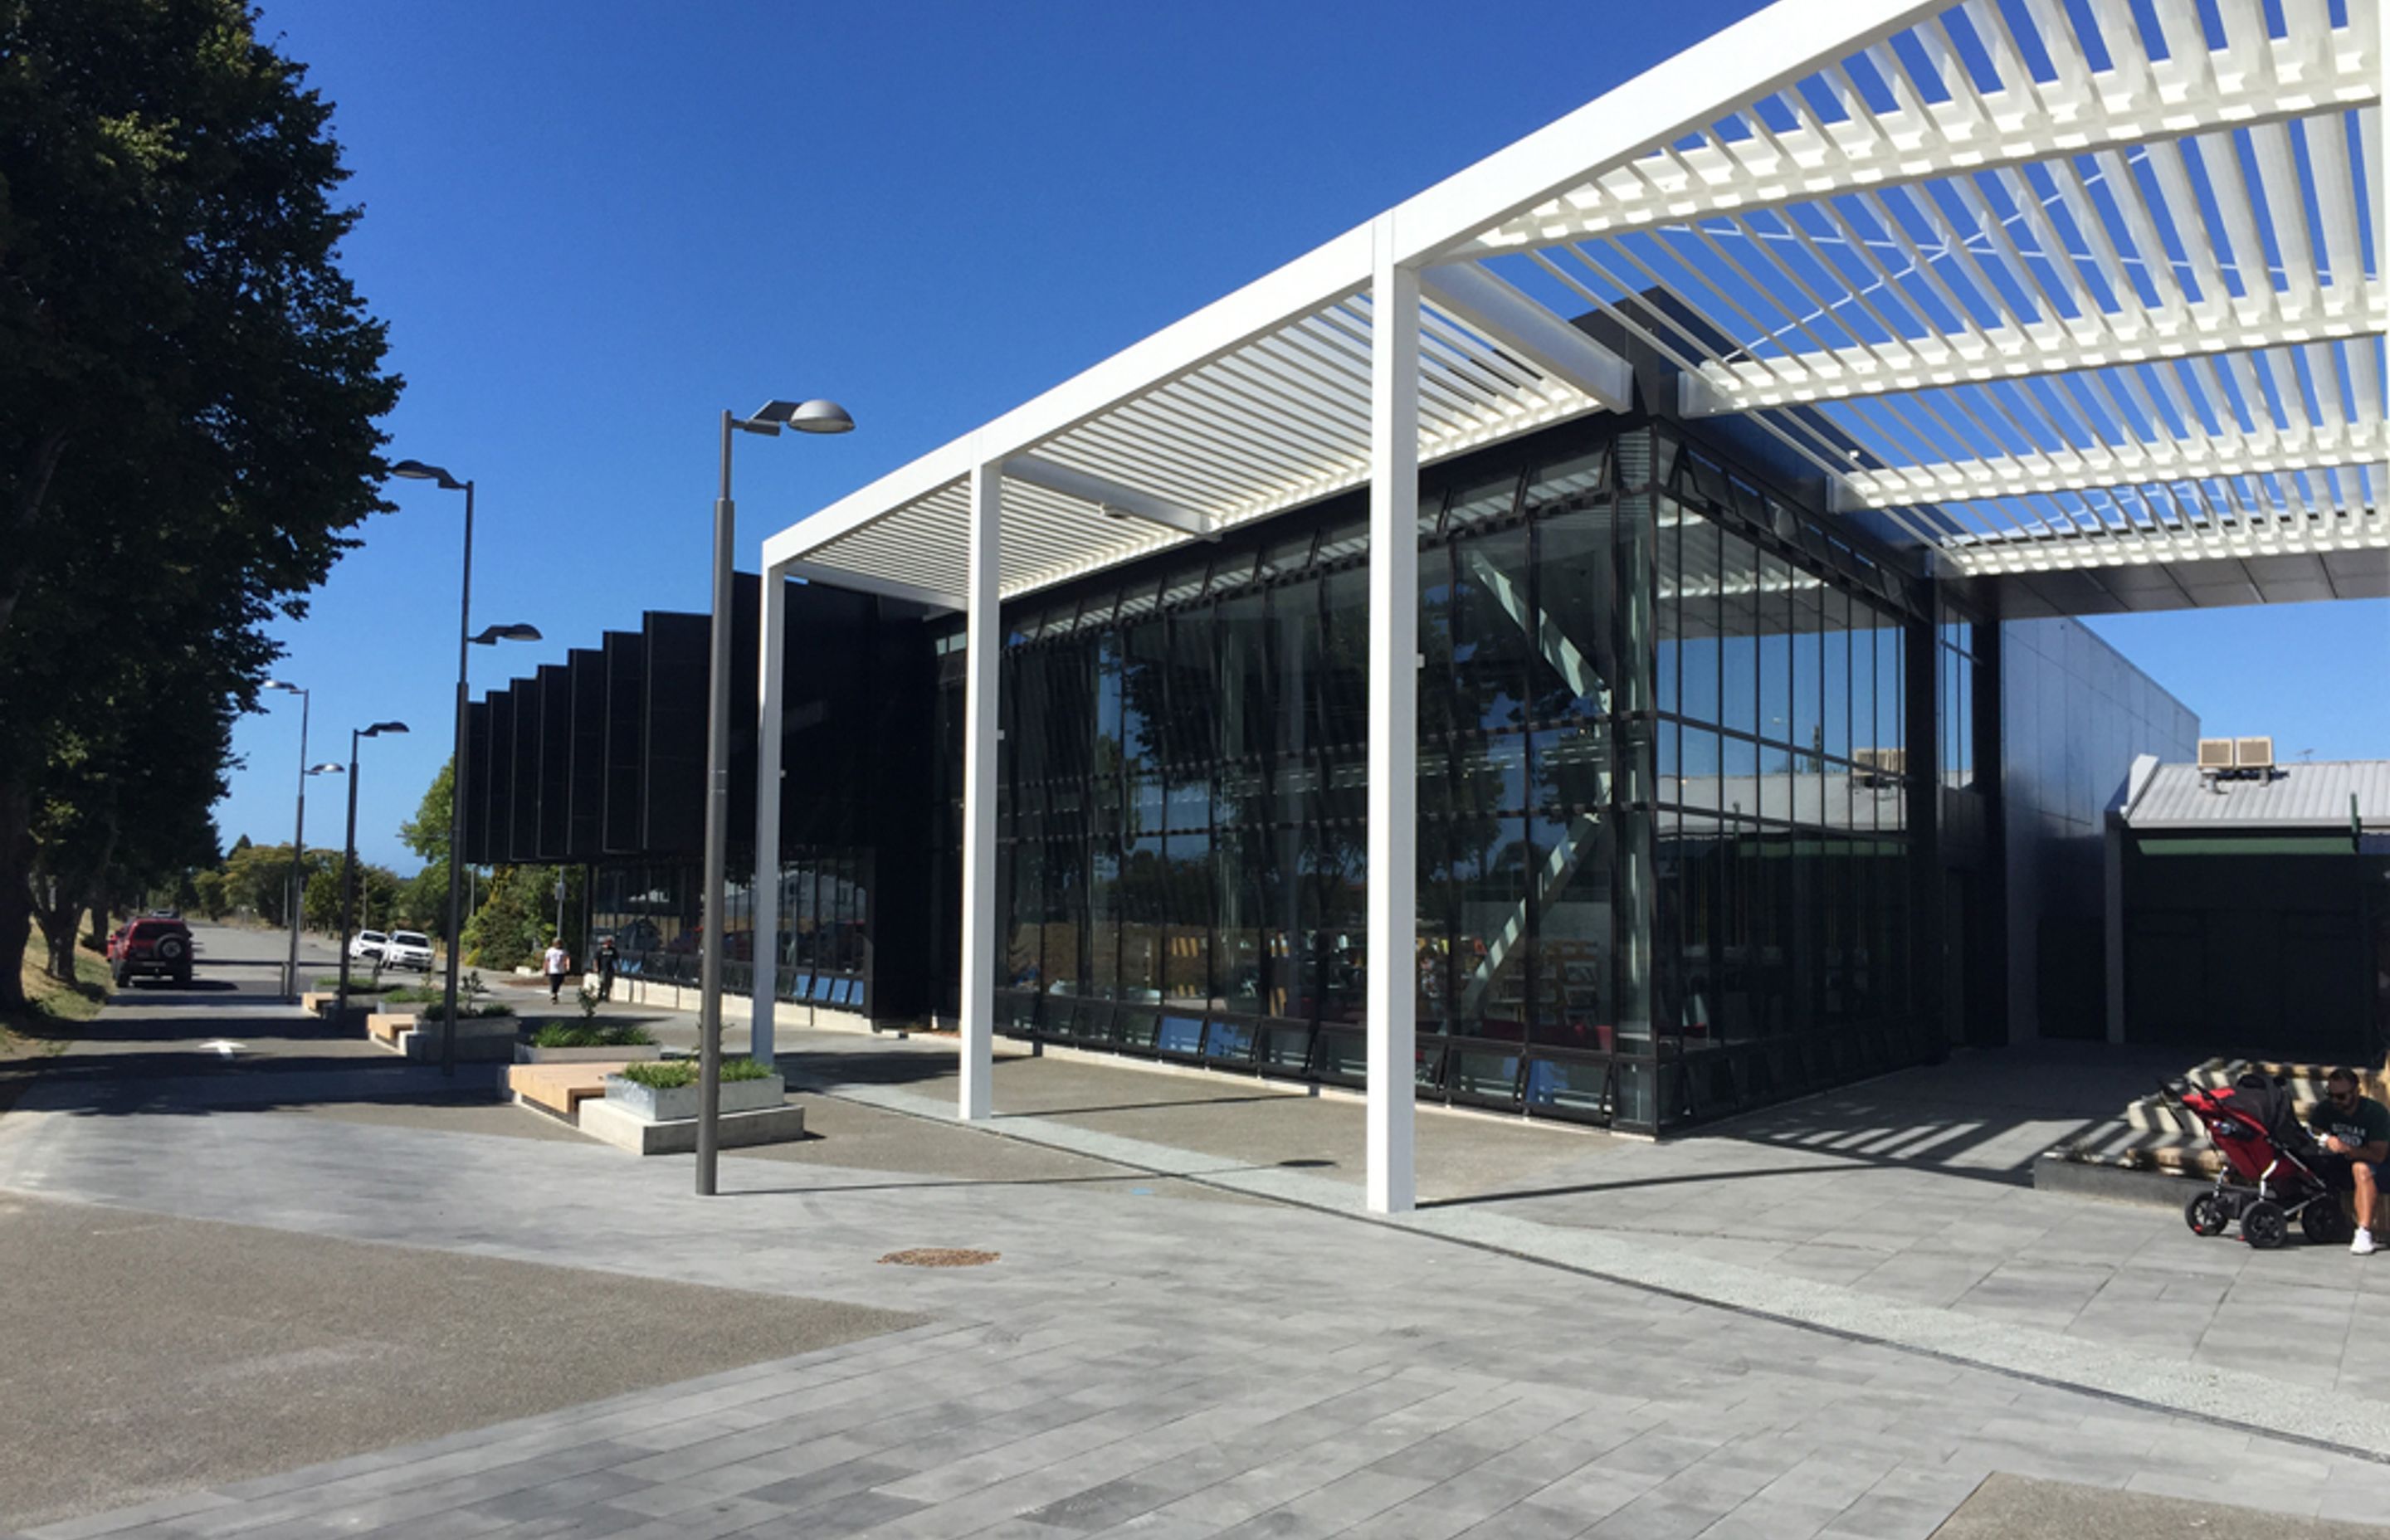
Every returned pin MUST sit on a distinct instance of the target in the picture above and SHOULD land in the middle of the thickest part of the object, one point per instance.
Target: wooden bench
(560, 1088)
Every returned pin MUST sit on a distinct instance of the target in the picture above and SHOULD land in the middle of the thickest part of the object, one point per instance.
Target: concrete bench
(560, 1088)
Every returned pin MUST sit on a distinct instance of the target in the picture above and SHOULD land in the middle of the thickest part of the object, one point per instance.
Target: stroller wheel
(2204, 1214)
(2325, 1224)
(2264, 1224)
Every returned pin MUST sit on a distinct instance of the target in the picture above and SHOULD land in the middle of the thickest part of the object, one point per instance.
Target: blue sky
(592, 228)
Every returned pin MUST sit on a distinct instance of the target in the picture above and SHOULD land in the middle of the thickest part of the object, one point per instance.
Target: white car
(365, 945)
(407, 949)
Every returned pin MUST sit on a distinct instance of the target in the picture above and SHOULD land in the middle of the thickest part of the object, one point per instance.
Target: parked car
(160, 948)
(367, 945)
(407, 949)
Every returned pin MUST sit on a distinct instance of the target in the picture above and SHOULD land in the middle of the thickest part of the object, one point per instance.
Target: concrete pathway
(1133, 1366)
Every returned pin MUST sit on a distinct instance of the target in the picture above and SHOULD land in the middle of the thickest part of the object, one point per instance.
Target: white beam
(771, 692)
(2040, 348)
(2279, 533)
(1394, 725)
(982, 637)
(1512, 321)
(1107, 495)
(2114, 465)
(1801, 164)
(865, 583)
(1761, 54)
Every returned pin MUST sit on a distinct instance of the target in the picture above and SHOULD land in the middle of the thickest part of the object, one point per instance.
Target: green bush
(468, 1012)
(566, 1034)
(663, 1074)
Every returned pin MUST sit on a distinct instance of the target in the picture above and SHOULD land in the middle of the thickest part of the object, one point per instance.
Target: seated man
(2355, 1130)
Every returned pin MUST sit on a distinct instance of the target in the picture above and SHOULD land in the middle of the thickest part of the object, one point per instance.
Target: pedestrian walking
(609, 959)
(558, 961)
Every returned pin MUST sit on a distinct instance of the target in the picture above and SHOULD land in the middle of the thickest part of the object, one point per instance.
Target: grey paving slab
(1134, 1368)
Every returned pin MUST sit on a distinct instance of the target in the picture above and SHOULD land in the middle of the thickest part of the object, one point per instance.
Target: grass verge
(47, 1030)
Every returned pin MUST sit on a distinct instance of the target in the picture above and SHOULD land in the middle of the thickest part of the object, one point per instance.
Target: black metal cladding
(624, 725)
(626, 663)
(476, 770)
(586, 798)
(523, 828)
(497, 792)
(672, 746)
(555, 761)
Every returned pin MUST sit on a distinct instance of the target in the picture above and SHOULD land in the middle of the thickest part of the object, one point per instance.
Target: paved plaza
(1820, 1321)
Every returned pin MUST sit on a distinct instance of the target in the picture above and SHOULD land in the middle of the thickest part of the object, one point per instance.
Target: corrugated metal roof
(2296, 796)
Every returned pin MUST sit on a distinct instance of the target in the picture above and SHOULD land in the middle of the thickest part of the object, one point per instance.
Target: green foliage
(467, 1010)
(427, 833)
(564, 1035)
(665, 1074)
(517, 916)
(256, 880)
(188, 385)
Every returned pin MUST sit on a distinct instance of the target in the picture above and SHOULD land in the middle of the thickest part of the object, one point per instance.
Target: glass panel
(1575, 577)
(1490, 628)
(1490, 868)
(1572, 859)
(1739, 620)
(1483, 502)
(1692, 588)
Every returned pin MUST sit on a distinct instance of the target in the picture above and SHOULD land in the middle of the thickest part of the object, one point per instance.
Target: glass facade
(1662, 849)
(654, 911)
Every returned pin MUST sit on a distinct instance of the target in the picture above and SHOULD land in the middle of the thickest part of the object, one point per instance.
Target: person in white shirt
(557, 961)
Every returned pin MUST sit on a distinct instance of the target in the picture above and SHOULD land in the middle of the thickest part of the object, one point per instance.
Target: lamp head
(807, 417)
(281, 685)
(416, 470)
(519, 632)
(328, 769)
(380, 728)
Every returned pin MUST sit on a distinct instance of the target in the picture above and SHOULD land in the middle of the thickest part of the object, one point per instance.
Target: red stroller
(2273, 1169)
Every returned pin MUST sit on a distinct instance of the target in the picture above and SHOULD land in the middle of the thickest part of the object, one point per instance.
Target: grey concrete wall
(2074, 712)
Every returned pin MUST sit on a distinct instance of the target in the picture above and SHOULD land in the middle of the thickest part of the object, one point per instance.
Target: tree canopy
(189, 391)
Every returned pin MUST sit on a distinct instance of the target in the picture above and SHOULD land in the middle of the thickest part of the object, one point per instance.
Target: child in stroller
(2273, 1169)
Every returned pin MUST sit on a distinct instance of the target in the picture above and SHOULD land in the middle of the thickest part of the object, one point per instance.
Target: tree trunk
(16, 895)
(58, 921)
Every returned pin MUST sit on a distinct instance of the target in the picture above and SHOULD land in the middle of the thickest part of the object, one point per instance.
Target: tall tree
(189, 384)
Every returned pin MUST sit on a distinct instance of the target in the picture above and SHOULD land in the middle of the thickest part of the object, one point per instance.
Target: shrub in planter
(666, 1090)
(468, 1012)
(564, 1035)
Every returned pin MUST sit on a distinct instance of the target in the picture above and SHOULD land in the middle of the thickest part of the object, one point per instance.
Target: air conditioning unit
(1881, 762)
(2253, 753)
(2215, 753)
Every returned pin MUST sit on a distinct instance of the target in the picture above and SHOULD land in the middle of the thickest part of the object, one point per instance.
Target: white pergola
(2100, 307)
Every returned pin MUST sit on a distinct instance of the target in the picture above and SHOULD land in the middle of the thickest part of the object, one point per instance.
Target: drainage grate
(940, 1256)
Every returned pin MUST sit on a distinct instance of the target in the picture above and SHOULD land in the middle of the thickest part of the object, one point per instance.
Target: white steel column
(982, 640)
(771, 694)
(1394, 720)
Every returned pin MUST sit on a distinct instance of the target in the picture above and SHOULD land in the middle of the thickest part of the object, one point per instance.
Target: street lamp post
(349, 862)
(416, 470)
(298, 840)
(811, 417)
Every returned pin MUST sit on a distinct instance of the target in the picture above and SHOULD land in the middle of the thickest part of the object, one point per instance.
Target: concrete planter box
(480, 1040)
(679, 1103)
(526, 1053)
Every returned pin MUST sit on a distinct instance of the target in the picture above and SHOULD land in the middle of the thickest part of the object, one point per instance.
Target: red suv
(157, 946)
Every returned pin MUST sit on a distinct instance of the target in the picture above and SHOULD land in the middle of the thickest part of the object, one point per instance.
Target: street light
(349, 861)
(417, 470)
(298, 839)
(807, 417)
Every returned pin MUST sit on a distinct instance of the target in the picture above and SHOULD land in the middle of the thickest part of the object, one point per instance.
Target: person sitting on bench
(2355, 1133)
